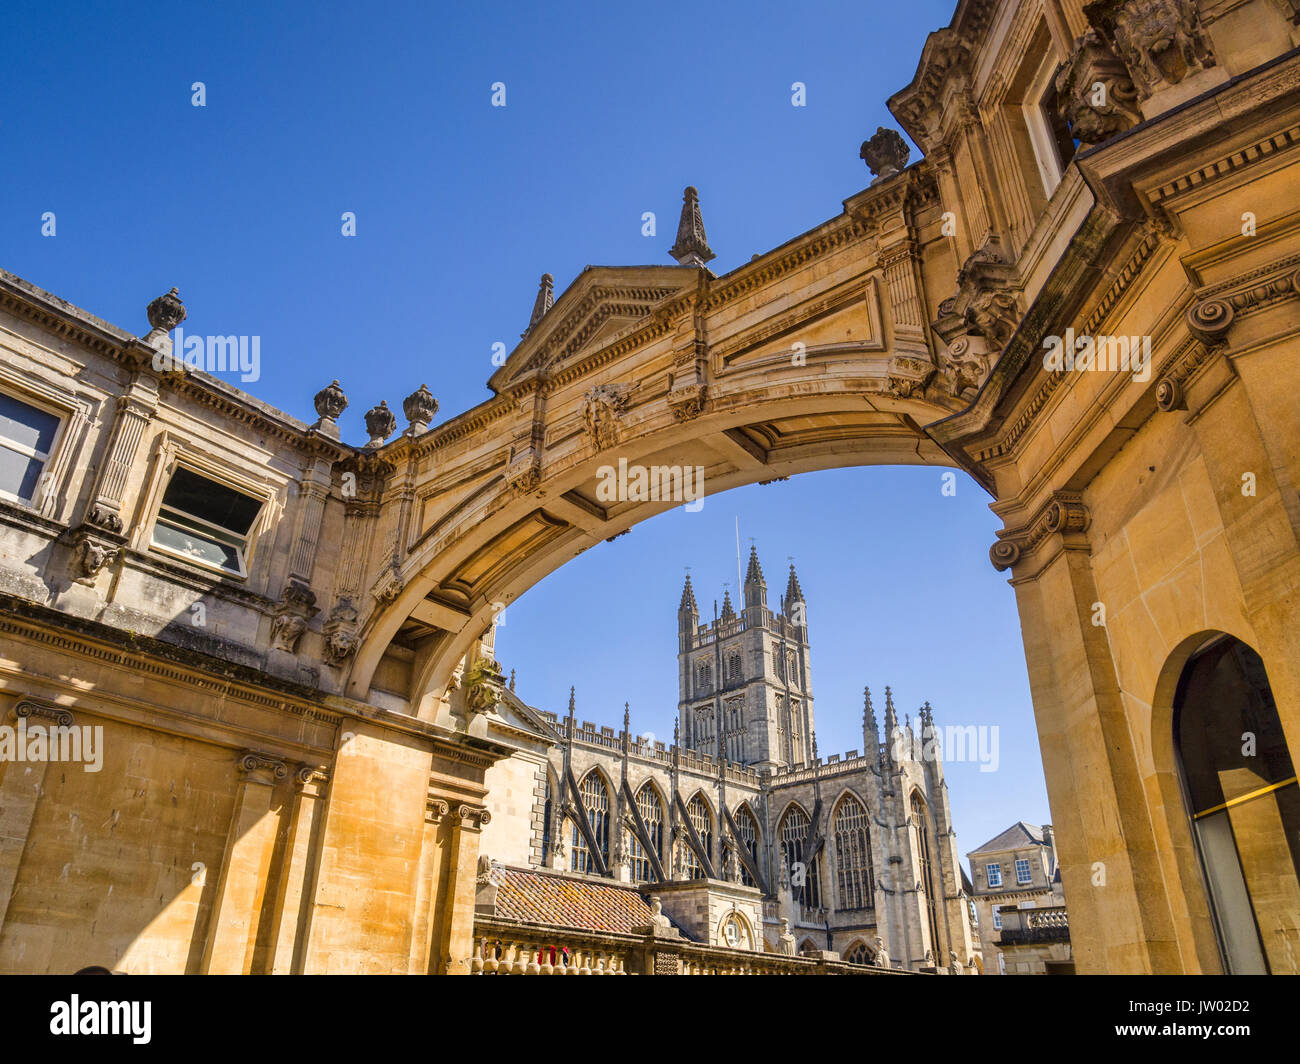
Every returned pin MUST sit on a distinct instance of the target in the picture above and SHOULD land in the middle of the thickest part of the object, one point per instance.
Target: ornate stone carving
(484, 685)
(1169, 395)
(692, 247)
(92, 554)
(341, 632)
(785, 943)
(420, 407)
(474, 817)
(1097, 97)
(296, 608)
(882, 954)
(602, 408)
(964, 367)
(885, 153)
(985, 304)
(1064, 514)
(166, 312)
(687, 401)
(1161, 42)
(380, 423)
(1210, 319)
(262, 768)
(61, 718)
(389, 585)
(330, 402)
(524, 473)
(102, 517)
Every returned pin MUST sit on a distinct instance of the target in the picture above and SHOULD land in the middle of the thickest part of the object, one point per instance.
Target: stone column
(458, 895)
(245, 868)
(289, 920)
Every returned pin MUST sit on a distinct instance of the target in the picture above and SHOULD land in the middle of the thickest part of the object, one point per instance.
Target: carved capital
(1210, 319)
(57, 715)
(1063, 514)
(258, 767)
(472, 817)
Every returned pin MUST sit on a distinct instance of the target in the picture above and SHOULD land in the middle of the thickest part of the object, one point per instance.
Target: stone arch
(748, 930)
(603, 822)
(808, 947)
(498, 539)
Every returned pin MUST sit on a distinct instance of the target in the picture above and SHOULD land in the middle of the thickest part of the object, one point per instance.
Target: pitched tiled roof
(1018, 834)
(534, 897)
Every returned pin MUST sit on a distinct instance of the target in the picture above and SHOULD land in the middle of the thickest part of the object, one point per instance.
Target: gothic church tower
(743, 679)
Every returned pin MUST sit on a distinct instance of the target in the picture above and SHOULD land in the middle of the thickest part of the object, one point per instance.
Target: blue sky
(385, 110)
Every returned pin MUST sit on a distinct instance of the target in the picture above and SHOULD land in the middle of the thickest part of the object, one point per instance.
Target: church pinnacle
(793, 592)
(688, 598)
(728, 611)
(870, 729)
(692, 248)
(755, 585)
(545, 300)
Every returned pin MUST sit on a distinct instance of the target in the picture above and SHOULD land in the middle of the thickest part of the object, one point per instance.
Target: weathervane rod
(739, 582)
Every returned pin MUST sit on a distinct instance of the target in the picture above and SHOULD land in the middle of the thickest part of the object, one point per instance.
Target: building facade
(284, 639)
(740, 819)
(1023, 925)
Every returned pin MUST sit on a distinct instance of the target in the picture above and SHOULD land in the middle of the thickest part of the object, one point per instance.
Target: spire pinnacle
(545, 300)
(688, 598)
(728, 611)
(627, 715)
(572, 706)
(793, 592)
(512, 679)
(692, 248)
(755, 585)
(870, 729)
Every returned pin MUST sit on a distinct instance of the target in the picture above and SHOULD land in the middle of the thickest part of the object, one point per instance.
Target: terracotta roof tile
(533, 897)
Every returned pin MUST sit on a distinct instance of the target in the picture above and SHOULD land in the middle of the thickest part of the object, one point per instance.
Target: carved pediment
(602, 305)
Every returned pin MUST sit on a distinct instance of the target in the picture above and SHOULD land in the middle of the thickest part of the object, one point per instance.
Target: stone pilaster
(295, 879)
(245, 867)
(458, 921)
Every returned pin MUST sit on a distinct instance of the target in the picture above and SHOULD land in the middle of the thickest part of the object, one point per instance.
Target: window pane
(195, 545)
(211, 502)
(18, 473)
(26, 425)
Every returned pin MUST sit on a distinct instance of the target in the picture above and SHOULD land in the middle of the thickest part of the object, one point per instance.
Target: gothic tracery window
(595, 801)
(805, 879)
(853, 855)
(733, 667)
(652, 815)
(747, 833)
(698, 813)
(921, 817)
(858, 954)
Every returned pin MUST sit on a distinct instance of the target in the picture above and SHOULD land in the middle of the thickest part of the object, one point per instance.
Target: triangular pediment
(601, 305)
(516, 721)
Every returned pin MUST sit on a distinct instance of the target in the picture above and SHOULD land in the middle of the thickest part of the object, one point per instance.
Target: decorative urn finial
(419, 408)
(330, 402)
(885, 153)
(166, 312)
(380, 423)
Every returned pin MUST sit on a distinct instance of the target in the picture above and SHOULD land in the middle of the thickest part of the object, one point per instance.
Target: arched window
(595, 800)
(703, 676)
(652, 813)
(733, 667)
(1239, 782)
(808, 948)
(778, 663)
(747, 828)
(858, 953)
(921, 826)
(547, 809)
(794, 829)
(698, 812)
(853, 855)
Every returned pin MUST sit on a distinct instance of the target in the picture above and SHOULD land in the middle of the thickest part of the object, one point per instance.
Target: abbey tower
(743, 679)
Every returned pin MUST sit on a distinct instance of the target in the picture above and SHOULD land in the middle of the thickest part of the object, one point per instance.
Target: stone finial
(166, 312)
(692, 248)
(419, 408)
(544, 301)
(380, 424)
(885, 153)
(330, 402)
(512, 679)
